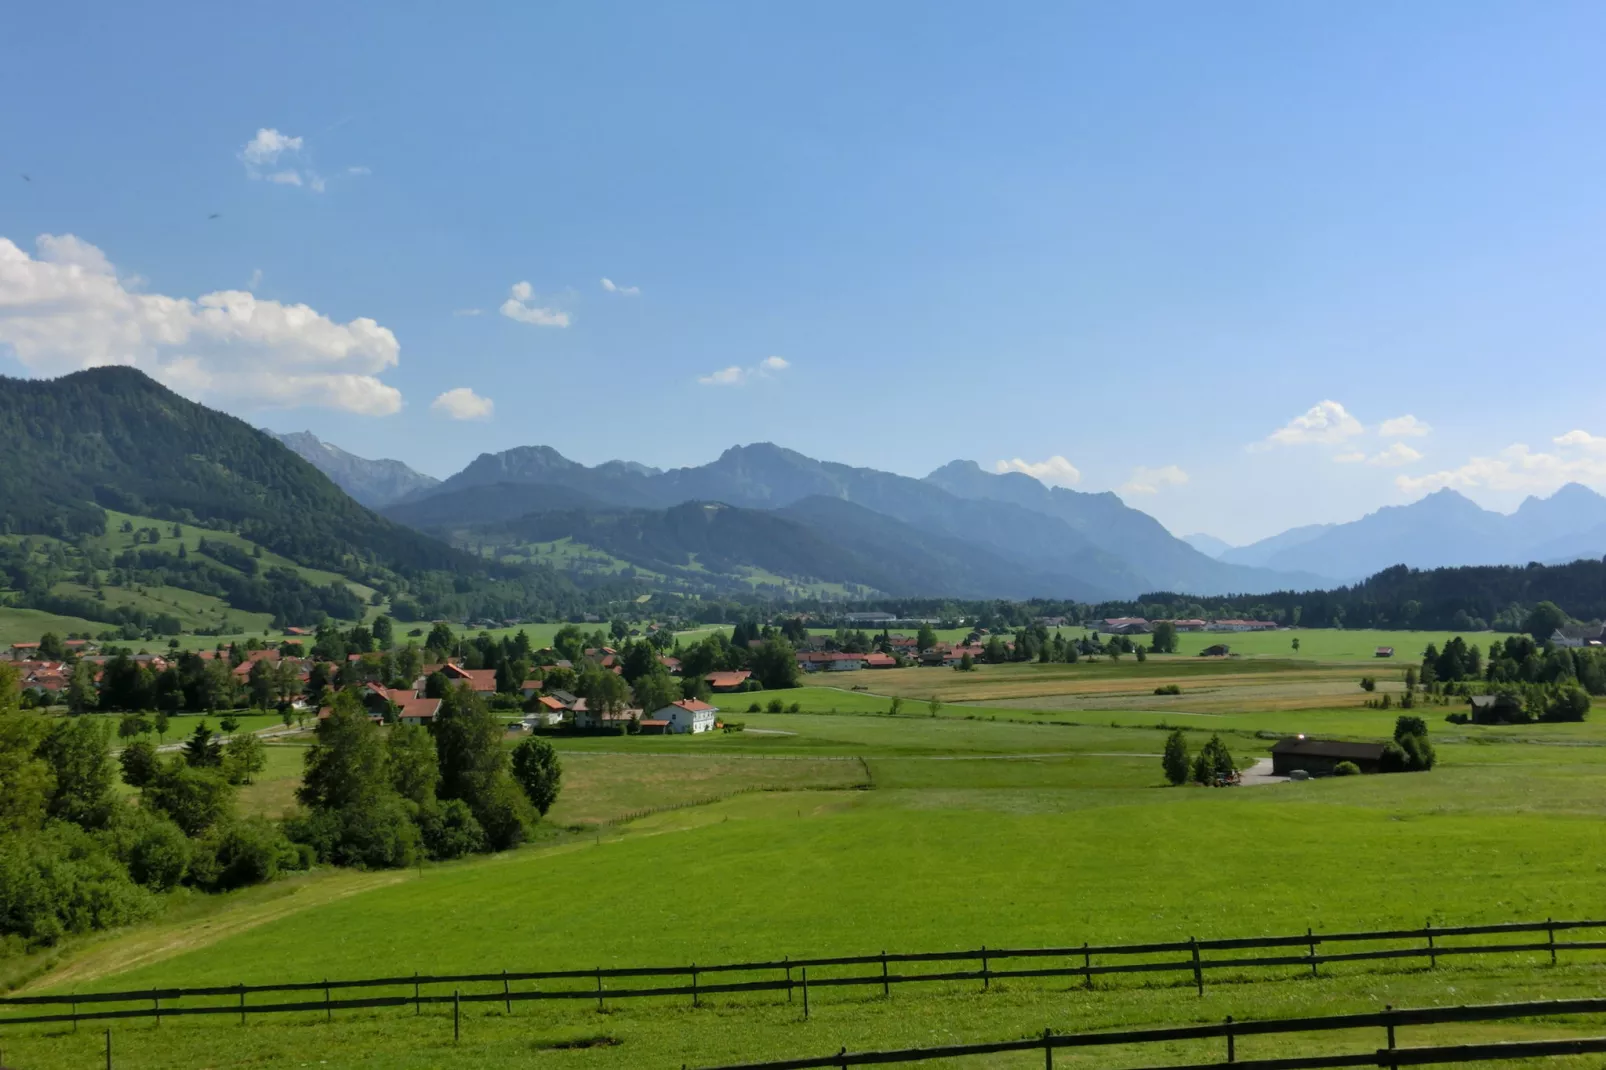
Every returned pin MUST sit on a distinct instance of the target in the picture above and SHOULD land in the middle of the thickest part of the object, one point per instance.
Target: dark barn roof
(1328, 748)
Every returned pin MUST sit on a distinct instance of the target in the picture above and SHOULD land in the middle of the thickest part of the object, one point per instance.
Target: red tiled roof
(551, 703)
(727, 679)
(653, 724)
(693, 705)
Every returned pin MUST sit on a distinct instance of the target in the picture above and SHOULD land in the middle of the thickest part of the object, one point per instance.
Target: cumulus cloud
(1582, 440)
(1056, 471)
(66, 309)
(736, 375)
(463, 404)
(1581, 459)
(1395, 456)
(1151, 480)
(614, 288)
(519, 306)
(1406, 426)
(1325, 423)
(267, 155)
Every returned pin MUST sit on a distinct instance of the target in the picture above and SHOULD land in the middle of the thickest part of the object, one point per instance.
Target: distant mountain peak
(373, 483)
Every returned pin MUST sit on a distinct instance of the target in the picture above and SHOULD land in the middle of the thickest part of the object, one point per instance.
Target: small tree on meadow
(536, 768)
(1175, 760)
(1213, 760)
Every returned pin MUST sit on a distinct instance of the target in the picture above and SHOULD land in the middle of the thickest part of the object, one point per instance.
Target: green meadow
(1019, 809)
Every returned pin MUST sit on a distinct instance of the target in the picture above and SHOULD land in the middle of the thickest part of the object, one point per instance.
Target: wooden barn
(1318, 757)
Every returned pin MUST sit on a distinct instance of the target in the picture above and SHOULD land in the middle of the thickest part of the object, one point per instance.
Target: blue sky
(1141, 238)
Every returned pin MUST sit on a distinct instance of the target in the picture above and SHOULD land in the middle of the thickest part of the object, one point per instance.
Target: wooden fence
(1389, 1020)
(1193, 959)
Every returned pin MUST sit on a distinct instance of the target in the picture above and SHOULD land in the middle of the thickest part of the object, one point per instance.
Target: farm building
(685, 717)
(1319, 756)
(1383, 652)
(728, 681)
(1219, 650)
(1497, 709)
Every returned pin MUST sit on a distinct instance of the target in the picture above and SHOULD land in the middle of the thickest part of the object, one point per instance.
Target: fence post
(242, 1002)
(1433, 958)
(1232, 1049)
(886, 989)
(418, 1007)
(507, 999)
(1550, 925)
(74, 1019)
(1198, 974)
(457, 1007)
(599, 989)
(986, 981)
(1388, 1009)
(328, 1011)
(1048, 1050)
(694, 1002)
(843, 1055)
(787, 962)
(805, 993)
(1087, 968)
(108, 1049)
(1311, 940)
(156, 1007)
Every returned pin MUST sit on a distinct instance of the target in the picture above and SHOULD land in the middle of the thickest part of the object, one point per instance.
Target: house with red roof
(688, 716)
(727, 681)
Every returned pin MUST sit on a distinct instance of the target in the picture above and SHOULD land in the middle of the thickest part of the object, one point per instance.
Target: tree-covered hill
(113, 438)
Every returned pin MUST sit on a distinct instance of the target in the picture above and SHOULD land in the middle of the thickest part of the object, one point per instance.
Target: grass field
(1024, 810)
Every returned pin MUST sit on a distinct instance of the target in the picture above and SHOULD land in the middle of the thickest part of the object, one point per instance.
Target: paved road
(1260, 774)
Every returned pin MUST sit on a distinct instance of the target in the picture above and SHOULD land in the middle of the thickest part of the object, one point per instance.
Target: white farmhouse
(688, 715)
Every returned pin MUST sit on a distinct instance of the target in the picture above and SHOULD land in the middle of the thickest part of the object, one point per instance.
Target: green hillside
(110, 484)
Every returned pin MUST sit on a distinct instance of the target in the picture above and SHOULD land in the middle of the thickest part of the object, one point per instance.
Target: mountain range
(1444, 529)
(371, 483)
(1020, 537)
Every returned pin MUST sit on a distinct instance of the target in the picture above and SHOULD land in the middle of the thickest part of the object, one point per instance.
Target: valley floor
(1013, 813)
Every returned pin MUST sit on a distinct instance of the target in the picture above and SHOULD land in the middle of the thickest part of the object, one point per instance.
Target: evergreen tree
(1175, 760)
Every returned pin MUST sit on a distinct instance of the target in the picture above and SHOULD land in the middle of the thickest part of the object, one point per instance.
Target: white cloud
(265, 149)
(1056, 471)
(1151, 480)
(463, 404)
(1406, 426)
(614, 288)
(286, 178)
(67, 309)
(1325, 423)
(1395, 456)
(1582, 440)
(1518, 468)
(518, 307)
(256, 279)
(735, 375)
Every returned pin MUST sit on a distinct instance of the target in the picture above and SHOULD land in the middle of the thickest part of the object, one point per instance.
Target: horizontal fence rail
(1230, 1031)
(1193, 959)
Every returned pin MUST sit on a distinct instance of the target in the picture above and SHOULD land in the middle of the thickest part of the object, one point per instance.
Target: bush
(1168, 689)
(373, 833)
(241, 853)
(450, 830)
(753, 707)
(156, 851)
(1368, 683)
(775, 705)
(1458, 718)
(1346, 769)
(61, 880)
(796, 707)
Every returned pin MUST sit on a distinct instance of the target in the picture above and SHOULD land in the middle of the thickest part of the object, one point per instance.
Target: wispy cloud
(1406, 426)
(736, 375)
(359, 170)
(519, 306)
(256, 279)
(1056, 471)
(463, 404)
(1581, 458)
(1153, 480)
(1325, 423)
(468, 312)
(266, 155)
(1395, 456)
(614, 288)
